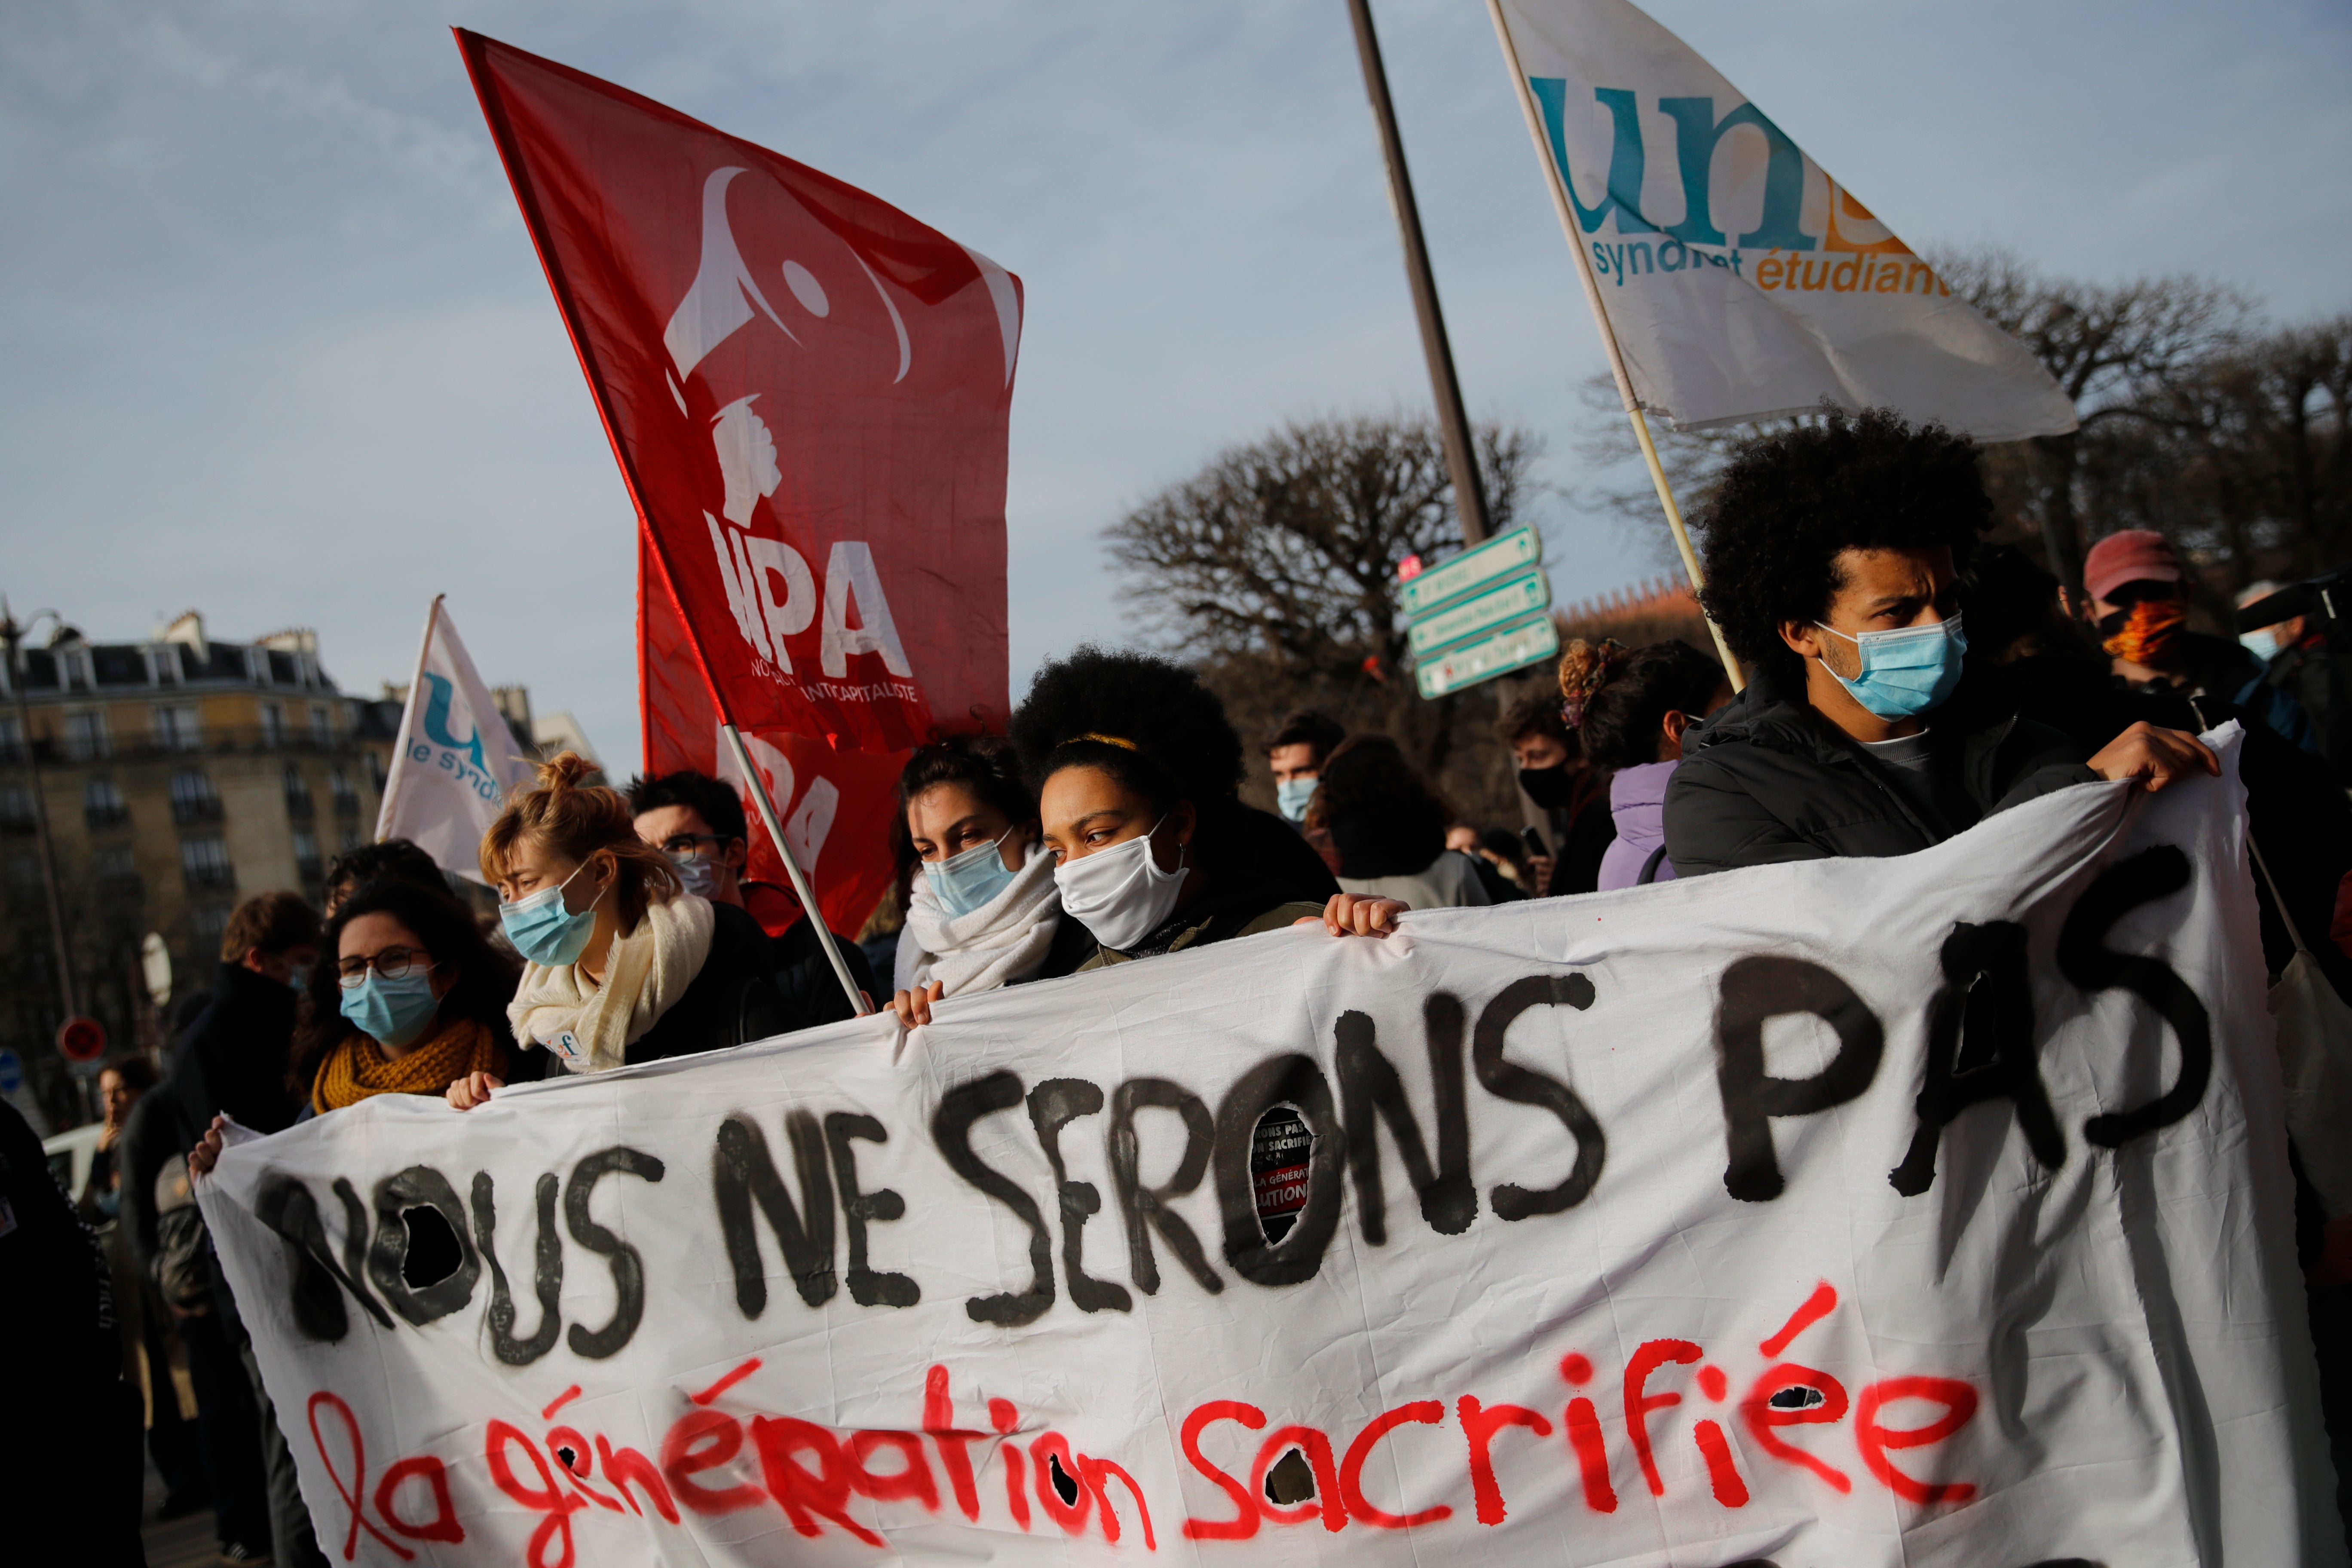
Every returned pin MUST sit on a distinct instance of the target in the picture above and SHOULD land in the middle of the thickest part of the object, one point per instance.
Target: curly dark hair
(1535, 713)
(1626, 712)
(1789, 502)
(710, 799)
(486, 977)
(1147, 721)
(987, 765)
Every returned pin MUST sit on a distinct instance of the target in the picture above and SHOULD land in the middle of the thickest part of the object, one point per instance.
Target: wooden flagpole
(1567, 210)
(396, 775)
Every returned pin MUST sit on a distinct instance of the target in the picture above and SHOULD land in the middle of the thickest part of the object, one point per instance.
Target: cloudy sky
(273, 342)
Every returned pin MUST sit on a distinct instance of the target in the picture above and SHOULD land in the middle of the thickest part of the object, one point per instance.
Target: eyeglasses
(689, 845)
(392, 962)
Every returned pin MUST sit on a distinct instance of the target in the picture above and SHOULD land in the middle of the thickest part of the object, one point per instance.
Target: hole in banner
(1064, 1486)
(1281, 1147)
(433, 1253)
(1290, 1481)
(1798, 1397)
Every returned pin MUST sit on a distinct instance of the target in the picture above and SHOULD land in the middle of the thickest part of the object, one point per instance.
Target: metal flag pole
(1558, 183)
(767, 808)
(1453, 423)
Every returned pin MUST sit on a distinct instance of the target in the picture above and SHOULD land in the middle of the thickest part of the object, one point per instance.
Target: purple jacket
(1637, 799)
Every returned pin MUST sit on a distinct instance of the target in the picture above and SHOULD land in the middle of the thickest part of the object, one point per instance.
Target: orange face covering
(2148, 631)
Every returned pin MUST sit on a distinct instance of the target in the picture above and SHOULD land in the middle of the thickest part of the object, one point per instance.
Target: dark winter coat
(804, 981)
(232, 1060)
(1767, 780)
(731, 1001)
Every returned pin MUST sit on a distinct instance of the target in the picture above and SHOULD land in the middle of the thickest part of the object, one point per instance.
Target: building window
(299, 804)
(102, 805)
(114, 863)
(177, 727)
(86, 734)
(208, 926)
(11, 739)
(347, 841)
(273, 724)
(16, 806)
(347, 799)
(193, 799)
(205, 861)
(306, 855)
(375, 771)
(164, 665)
(322, 724)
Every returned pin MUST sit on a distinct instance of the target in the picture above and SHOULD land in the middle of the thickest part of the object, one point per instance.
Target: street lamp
(12, 634)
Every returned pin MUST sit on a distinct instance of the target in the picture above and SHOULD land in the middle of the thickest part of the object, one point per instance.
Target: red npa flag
(807, 392)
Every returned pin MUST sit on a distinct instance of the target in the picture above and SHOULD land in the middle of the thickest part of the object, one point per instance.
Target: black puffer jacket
(1767, 779)
(730, 1001)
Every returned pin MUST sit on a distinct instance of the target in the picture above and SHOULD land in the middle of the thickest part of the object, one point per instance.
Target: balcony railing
(300, 808)
(201, 878)
(106, 815)
(207, 809)
(218, 739)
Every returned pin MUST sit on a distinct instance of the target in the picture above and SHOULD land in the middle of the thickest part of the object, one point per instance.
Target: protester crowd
(1904, 682)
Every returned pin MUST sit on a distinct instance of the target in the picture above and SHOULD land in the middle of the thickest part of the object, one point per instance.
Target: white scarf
(1003, 940)
(589, 1025)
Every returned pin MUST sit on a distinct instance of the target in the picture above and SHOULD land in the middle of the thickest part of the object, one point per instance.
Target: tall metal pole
(1461, 455)
(13, 635)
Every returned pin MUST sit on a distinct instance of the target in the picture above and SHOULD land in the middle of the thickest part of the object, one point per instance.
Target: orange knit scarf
(358, 1068)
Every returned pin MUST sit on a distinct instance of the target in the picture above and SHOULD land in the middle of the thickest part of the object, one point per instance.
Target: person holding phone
(1571, 792)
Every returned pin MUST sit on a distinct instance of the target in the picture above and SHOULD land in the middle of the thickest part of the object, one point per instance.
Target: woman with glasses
(413, 1001)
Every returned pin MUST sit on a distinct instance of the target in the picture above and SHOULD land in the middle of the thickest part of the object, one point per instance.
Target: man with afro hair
(1136, 765)
(1832, 554)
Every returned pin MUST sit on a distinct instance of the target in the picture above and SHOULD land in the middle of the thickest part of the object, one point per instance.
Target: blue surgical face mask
(963, 883)
(393, 1011)
(1907, 671)
(700, 876)
(543, 931)
(1291, 796)
(2264, 644)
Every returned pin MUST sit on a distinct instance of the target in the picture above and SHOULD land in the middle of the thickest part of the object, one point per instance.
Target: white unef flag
(456, 760)
(1742, 281)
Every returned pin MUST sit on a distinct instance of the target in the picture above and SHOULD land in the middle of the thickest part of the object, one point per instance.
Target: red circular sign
(81, 1038)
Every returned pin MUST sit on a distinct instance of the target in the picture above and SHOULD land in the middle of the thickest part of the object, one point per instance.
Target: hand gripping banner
(807, 391)
(1930, 1212)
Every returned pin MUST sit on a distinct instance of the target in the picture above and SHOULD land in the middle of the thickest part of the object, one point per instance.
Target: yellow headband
(1110, 740)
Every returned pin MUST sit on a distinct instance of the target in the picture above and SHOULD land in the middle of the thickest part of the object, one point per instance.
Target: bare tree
(2115, 349)
(1274, 568)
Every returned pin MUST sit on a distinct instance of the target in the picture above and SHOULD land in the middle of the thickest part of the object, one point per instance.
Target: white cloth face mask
(1119, 894)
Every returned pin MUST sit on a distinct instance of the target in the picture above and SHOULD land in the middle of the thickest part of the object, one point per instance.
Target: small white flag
(455, 759)
(1741, 280)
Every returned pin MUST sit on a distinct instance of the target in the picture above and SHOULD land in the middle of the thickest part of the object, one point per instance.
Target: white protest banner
(1741, 280)
(1931, 1211)
(455, 759)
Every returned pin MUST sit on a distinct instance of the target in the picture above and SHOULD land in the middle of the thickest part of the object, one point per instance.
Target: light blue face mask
(1907, 671)
(393, 1011)
(2263, 644)
(1291, 796)
(963, 883)
(700, 876)
(543, 931)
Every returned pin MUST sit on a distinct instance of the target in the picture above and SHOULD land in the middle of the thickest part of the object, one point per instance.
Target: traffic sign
(1519, 597)
(12, 1072)
(1436, 586)
(81, 1039)
(1512, 647)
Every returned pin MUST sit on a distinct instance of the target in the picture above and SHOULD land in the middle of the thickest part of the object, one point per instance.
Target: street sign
(12, 1072)
(81, 1039)
(1512, 647)
(155, 968)
(1519, 597)
(1436, 586)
